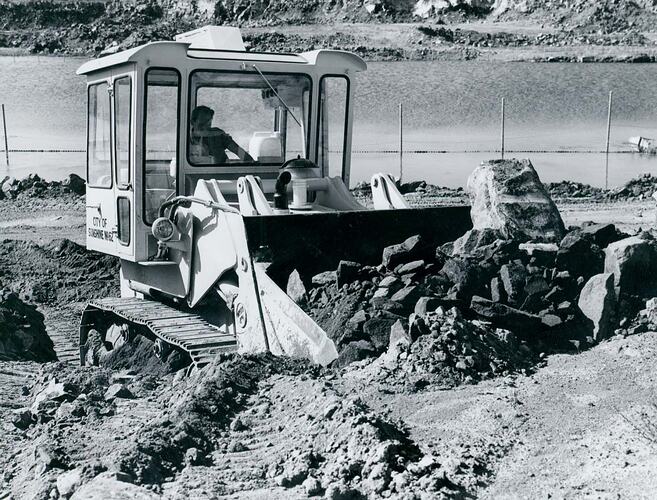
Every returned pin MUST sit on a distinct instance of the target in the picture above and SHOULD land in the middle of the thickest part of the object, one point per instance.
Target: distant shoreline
(504, 42)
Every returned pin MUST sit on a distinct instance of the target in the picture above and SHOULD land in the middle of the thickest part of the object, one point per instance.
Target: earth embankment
(375, 29)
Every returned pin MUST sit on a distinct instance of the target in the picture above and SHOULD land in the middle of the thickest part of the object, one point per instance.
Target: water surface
(448, 106)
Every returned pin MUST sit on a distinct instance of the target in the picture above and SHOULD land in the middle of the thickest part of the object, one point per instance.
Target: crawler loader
(213, 172)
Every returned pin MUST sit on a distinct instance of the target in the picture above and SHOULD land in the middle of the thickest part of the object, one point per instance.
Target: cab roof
(219, 43)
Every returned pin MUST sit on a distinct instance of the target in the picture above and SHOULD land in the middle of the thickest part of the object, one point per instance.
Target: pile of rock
(639, 188)
(23, 335)
(571, 189)
(518, 270)
(443, 348)
(34, 186)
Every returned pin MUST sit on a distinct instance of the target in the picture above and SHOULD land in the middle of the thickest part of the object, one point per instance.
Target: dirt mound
(59, 272)
(321, 442)
(67, 420)
(23, 335)
(198, 412)
(245, 423)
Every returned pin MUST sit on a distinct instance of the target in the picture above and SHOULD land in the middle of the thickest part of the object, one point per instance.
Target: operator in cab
(209, 144)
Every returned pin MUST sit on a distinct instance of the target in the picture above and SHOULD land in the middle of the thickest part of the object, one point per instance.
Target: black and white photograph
(332, 249)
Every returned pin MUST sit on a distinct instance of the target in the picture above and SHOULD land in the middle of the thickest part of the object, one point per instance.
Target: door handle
(97, 207)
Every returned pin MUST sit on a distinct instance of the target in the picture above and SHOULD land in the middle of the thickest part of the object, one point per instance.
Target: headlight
(163, 229)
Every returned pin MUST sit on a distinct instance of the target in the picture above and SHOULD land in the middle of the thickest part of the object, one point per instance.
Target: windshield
(247, 118)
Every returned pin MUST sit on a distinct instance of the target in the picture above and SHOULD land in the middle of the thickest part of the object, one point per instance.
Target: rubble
(34, 186)
(550, 295)
(639, 188)
(452, 350)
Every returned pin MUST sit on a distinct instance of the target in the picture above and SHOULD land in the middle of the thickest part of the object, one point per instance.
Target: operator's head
(202, 117)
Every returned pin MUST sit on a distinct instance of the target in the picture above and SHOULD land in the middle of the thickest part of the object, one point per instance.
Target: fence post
(502, 129)
(4, 126)
(401, 140)
(608, 136)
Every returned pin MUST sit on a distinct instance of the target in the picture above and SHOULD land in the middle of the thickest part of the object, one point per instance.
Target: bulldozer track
(187, 331)
(59, 325)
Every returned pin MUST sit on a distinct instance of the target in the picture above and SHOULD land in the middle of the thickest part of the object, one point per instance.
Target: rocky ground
(436, 392)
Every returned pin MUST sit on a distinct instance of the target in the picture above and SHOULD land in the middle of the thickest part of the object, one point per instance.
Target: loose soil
(259, 427)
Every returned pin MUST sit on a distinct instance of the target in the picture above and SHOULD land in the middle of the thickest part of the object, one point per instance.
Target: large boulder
(23, 334)
(474, 239)
(519, 322)
(579, 255)
(508, 195)
(411, 249)
(467, 275)
(104, 487)
(76, 184)
(356, 351)
(597, 301)
(633, 261)
(602, 234)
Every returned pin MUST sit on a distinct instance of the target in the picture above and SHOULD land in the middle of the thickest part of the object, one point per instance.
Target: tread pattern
(188, 331)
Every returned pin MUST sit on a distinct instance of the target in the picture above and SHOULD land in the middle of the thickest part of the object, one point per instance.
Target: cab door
(122, 106)
(101, 214)
(110, 171)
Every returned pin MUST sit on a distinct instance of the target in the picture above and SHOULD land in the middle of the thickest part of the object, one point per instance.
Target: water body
(448, 106)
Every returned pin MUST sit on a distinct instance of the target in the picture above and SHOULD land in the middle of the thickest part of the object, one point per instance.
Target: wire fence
(408, 146)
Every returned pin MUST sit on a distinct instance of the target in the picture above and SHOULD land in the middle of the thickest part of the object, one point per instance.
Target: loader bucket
(315, 242)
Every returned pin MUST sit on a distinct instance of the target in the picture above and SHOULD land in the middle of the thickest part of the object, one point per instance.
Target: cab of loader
(265, 135)
(144, 148)
(214, 173)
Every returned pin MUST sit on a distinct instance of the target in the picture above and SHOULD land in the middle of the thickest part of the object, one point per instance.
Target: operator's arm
(241, 153)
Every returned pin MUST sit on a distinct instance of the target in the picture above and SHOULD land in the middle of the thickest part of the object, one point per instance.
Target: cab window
(160, 139)
(334, 96)
(122, 103)
(99, 164)
(247, 119)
